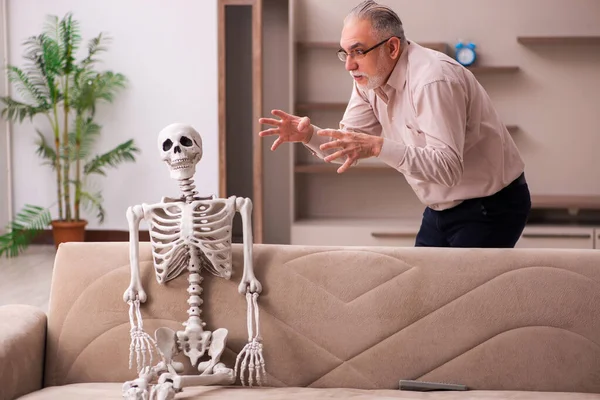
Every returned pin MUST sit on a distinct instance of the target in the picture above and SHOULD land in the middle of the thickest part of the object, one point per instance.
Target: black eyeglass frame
(343, 56)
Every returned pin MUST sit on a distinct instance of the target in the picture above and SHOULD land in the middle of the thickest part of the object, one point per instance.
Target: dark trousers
(494, 221)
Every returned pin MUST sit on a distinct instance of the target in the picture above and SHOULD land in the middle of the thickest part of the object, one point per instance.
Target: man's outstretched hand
(352, 145)
(290, 128)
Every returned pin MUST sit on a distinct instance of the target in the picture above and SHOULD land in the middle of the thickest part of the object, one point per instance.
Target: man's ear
(395, 48)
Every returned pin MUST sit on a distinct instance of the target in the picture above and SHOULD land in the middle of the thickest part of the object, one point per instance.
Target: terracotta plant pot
(68, 231)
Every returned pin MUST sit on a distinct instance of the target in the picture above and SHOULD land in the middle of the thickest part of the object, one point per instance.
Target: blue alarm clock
(465, 53)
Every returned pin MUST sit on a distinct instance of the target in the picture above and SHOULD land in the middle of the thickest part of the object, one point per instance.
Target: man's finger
(276, 143)
(269, 121)
(304, 122)
(346, 165)
(334, 156)
(269, 132)
(331, 145)
(281, 114)
(334, 133)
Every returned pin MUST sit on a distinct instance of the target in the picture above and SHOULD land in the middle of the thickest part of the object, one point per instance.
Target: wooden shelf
(559, 40)
(507, 69)
(565, 201)
(439, 46)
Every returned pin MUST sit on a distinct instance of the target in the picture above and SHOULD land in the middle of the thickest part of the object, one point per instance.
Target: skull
(181, 149)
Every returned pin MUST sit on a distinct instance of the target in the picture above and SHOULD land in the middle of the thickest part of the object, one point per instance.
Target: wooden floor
(26, 279)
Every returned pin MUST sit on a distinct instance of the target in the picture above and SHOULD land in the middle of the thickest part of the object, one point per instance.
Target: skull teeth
(181, 163)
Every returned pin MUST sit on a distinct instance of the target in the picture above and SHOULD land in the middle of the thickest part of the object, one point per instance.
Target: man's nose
(350, 64)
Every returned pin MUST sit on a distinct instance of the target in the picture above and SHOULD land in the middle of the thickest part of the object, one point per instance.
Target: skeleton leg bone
(222, 376)
(163, 391)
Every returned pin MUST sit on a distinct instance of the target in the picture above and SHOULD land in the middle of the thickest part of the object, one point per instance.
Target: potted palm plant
(65, 92)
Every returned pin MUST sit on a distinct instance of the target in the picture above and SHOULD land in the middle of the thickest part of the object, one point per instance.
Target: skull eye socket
(185, 141)
(167, 144)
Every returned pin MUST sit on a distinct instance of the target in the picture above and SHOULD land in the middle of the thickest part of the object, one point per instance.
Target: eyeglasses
(358, 54)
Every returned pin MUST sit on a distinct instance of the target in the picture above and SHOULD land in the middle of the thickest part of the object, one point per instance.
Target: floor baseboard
(94, 235)
(100, 235)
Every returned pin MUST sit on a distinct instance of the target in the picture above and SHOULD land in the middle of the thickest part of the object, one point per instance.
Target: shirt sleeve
(358, 117)
(441, 116)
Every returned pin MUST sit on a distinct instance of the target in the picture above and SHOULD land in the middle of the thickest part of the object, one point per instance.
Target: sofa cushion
(108, 391)
(335, 317)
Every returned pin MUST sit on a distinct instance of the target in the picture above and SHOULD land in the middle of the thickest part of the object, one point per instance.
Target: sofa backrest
(359, 317)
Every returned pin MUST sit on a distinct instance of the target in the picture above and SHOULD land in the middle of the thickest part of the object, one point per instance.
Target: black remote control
(422, 386)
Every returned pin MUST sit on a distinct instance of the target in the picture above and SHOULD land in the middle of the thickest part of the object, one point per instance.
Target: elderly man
(425, 115)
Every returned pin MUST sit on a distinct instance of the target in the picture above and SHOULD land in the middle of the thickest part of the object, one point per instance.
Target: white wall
(169, 54)
(4, 181)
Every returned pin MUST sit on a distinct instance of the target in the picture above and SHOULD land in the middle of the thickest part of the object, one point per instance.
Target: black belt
(517, 182)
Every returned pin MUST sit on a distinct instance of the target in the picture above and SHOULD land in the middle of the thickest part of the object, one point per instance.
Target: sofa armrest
(22, 345)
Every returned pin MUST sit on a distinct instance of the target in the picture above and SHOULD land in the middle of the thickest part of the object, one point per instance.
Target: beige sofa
(337, 322)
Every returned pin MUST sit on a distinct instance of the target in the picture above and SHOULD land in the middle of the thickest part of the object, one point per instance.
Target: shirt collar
(397, 78)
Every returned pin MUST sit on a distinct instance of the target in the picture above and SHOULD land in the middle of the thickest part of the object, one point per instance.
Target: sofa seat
(108, 391)
(337, 323)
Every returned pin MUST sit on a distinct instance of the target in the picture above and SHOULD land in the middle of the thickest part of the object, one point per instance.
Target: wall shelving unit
(558, 40)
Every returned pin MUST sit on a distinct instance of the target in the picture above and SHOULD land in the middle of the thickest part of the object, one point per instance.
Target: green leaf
(28, 86)
(70, 40)
(28, 223)
(108, 84)
(90, 131)
(122, 153)
(93, 201)
(95, 46)
(91, 87)
(16, 110)
(45, 150)
(43, 65)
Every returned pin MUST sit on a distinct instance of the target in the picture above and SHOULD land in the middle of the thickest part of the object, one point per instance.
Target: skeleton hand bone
(253, 361)
(251, 356)
(142, 344)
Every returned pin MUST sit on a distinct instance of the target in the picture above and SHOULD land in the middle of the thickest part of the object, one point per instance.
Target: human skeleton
(192, 233)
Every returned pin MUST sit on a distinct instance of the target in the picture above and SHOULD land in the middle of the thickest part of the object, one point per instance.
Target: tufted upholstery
(351, 317)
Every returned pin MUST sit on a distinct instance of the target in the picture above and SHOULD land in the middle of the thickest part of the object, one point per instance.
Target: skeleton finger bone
(252, 361)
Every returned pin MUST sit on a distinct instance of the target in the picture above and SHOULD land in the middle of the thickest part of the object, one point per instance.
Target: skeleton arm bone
(135, 214)
(249, 281)
(252, 367)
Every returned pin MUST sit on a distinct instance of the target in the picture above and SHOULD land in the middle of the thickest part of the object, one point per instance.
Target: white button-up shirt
(439, 127)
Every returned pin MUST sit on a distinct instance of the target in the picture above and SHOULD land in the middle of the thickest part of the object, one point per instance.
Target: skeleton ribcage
(199, 232)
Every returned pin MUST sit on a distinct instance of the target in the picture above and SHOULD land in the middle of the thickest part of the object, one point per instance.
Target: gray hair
(384, 20)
